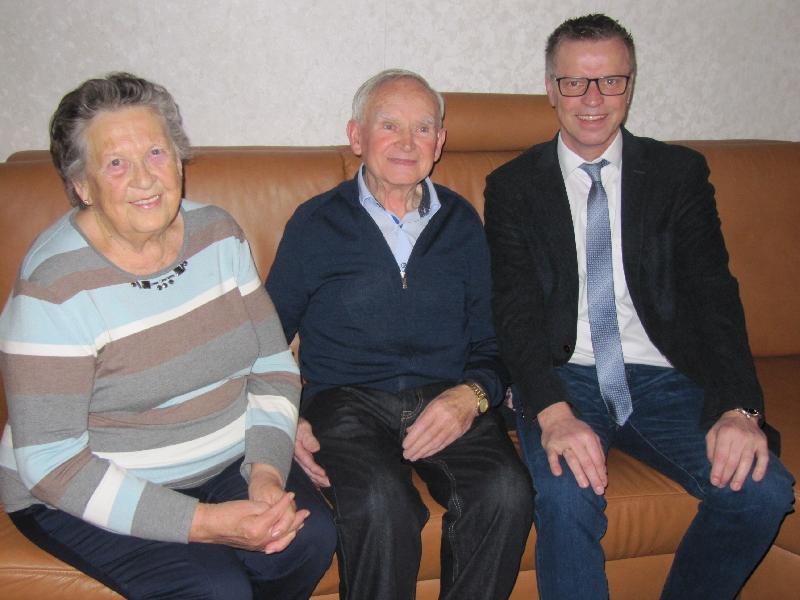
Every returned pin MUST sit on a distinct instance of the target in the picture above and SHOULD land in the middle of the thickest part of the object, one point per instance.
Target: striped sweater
(122, 389)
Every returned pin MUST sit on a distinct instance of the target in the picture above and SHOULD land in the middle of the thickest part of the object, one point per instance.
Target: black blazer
(675, 263)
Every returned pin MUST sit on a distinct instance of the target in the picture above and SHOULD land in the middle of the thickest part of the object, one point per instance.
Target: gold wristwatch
(482, 403)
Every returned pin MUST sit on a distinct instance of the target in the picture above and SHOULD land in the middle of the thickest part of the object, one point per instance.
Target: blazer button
(567, 349)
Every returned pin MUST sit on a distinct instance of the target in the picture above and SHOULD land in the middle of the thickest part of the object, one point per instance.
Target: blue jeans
(730, 533)
(379, 513)
(137, 568)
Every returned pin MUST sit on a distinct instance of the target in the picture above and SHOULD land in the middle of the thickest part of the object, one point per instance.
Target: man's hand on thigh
(732, 445)
(305, 445)
(443, 421)
(565, 435)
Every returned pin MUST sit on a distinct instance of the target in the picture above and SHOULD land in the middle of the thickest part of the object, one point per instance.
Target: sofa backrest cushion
(262, 186)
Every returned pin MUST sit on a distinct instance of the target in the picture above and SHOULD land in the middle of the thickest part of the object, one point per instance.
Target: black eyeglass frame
(589, 81)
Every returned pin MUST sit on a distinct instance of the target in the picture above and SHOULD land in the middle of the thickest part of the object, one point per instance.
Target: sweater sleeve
(273, 386)
(285, 282)
(483, 363)
(48, 359)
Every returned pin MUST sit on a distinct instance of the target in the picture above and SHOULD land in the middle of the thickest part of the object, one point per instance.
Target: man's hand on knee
(305, 444)
(443, 421)
(565, 435)
(733, 444)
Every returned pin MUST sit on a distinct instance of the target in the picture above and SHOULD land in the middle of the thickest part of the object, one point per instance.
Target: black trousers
(379, 514)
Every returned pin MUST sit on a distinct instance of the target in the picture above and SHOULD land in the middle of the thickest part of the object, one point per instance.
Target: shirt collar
(430, 199)
(569, 161)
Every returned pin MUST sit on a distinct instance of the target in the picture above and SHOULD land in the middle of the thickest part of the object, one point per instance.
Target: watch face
(483, 405)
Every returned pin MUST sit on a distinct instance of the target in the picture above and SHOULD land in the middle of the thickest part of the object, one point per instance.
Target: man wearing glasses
(621, 325)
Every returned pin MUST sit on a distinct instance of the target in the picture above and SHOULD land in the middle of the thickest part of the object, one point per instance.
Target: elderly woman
(152, 397)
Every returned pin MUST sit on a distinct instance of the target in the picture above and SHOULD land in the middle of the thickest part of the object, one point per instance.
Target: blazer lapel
(552, 219)
(635, 167)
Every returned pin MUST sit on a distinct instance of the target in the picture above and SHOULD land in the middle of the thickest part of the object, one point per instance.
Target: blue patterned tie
(602, 308)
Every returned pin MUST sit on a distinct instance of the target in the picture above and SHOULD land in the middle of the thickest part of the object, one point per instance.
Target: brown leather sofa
(756, 184)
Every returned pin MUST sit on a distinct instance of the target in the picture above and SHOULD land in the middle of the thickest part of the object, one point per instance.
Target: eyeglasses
(610, 85)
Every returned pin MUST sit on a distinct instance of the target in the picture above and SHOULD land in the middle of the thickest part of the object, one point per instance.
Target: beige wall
(281, 72)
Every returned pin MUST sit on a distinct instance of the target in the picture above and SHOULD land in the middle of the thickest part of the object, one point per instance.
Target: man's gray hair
(113, 92)
(371, 85)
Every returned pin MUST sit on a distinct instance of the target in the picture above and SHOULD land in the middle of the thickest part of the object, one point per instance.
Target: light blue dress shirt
(400, 233)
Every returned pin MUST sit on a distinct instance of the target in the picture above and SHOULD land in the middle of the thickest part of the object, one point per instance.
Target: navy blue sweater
(336, 282)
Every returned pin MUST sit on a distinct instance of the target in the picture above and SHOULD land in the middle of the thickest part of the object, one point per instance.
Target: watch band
(751, 413)
(482, 404)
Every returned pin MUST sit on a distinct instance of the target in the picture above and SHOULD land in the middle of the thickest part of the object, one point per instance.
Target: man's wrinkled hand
(305, 445)
(733, 444)
(565, 435)
(444, 420)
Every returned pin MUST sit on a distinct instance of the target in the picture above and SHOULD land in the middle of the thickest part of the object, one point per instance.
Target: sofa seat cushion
(28, 572)
(648, 513)
(780, 380)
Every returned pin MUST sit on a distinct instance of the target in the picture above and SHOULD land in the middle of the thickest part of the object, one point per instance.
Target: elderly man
(621, 324)
(386, 279)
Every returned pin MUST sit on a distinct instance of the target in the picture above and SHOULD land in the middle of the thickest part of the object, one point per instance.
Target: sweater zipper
(404, 278)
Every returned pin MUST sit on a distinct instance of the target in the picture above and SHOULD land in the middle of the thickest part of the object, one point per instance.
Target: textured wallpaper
(283, 73)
